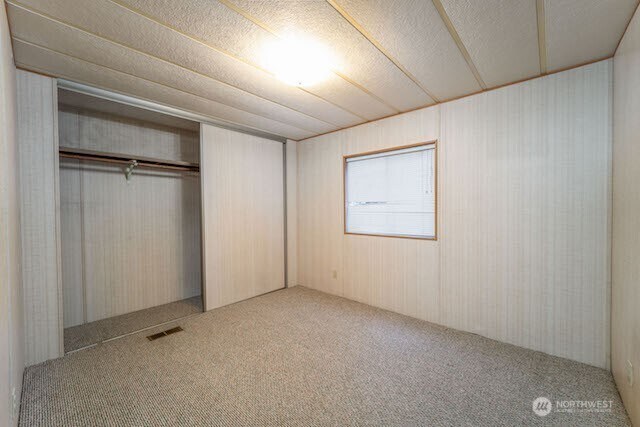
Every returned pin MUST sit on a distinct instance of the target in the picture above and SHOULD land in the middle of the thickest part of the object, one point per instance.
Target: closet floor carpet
(77, 337)
(299, 357)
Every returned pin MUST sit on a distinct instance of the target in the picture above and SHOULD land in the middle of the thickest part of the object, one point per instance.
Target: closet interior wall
(126, 245)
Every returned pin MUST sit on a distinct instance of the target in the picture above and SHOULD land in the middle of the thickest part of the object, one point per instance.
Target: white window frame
(377, 153)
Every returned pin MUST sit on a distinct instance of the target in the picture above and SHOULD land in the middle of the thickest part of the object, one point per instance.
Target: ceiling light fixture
(298, 62)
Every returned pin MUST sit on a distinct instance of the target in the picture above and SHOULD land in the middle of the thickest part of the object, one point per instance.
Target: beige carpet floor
(298, 357)
(77, 337)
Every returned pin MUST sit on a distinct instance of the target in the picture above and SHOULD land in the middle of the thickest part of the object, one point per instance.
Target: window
(392, 193)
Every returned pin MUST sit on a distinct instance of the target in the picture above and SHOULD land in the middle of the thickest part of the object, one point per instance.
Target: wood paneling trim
(379, 46)
(198, 95)
(625, 289)
(542, 38)
(626, 29)
(206, 306)
(201, 42)
(229, 54)
(264, 26)
(113, 42)
(386, 150)
(561, 70)
(508, 170)
(459, 43)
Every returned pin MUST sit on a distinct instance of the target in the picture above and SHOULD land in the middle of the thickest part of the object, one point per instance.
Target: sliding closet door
(242, 215)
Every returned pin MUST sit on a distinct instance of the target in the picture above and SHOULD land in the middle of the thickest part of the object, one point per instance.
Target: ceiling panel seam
(213, 120)
(160, 84)
(343, 76)
(51, 18)
(456, 38)
(355, 24)
(542, 36)
(229, 54)
(606, 58)
(626, 28)
(176, 65)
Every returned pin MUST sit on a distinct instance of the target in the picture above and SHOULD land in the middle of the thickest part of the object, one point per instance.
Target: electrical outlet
(334, 274)
(629, 373)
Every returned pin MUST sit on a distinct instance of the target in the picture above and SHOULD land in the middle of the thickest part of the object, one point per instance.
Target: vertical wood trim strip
(542, 36)
(459, 43)
(58, 241)
(379, 46)
(284, 215)
(265, 27)
(204, 166)
(82, 242)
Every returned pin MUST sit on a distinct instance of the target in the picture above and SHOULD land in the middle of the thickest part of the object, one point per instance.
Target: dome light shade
(298, 62)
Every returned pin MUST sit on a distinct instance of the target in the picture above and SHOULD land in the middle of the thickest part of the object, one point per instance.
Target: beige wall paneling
(625, 315)
(320, 214)
(394, 273)
(11, 303)
(71, 239)
(224, 28)
(291, 168)
(523, 213)
(579, 31)
(405, 27)
(145, 35)
(500, 36)
(38, 152)
(68, 40)
(243, 215)
(77, 100)
(131, 245)
(525, 247)
(96, 131)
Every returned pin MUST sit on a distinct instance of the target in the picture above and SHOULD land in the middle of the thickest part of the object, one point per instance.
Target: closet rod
(142, 162)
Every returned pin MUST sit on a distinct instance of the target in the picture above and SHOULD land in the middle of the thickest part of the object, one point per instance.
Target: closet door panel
(37, 133)
(243, 215)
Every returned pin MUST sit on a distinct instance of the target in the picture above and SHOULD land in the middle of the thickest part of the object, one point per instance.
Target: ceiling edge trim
(542, 36)
(626, 28)
(126, 46)
(456, 38)
(161, 108)
(466, 96)
(344, 77)
(160, 84)
(229, 54)
(355, 24)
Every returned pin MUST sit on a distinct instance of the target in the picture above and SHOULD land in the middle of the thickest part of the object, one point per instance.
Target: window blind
(392, 193)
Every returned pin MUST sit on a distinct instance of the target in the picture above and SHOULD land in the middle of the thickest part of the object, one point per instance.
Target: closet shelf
(128, 159)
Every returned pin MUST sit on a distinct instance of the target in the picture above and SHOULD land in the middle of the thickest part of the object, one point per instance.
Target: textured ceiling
(204, 56)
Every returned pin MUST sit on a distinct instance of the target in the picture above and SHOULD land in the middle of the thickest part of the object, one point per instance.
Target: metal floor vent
(164, 333)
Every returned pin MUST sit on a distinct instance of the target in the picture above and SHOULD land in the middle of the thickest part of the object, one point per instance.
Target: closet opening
(130, 218)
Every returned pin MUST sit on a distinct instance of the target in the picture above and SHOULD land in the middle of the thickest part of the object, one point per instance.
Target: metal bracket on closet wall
(164, 109)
